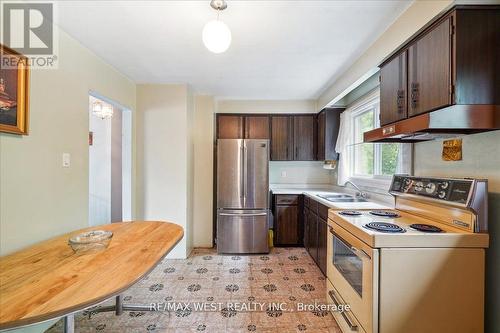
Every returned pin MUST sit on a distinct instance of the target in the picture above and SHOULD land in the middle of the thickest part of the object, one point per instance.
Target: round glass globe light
(216, 36)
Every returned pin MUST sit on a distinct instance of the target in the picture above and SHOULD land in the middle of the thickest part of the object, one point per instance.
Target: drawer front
(286, 199)
(346, 320)
(323, 211)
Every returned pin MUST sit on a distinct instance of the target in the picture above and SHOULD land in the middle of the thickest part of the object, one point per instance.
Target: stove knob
(430, 188)
(444, 185)
(419, 186)
(441, 194)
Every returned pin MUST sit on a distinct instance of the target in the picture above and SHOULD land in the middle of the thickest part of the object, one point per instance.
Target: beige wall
(164, 157)
(481, 159)
(203, 171)
(205, 108)
(414, 18)
(39, 199)
(266, 106)
(300, 172)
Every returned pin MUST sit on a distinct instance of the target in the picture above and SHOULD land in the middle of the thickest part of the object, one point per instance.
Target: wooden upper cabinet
(451, 62)
(281, 138)
(393, 90)
(304, 138)
(243, 127)
(429, 70)
(229, 127)
(257, 127)
(321, 136)
(328, 121)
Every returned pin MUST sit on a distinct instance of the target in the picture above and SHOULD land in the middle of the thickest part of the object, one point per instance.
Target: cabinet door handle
(414, 95)
(352, 326)
(399, 100)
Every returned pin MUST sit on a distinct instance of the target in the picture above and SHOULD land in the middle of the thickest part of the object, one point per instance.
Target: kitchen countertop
(313, 192)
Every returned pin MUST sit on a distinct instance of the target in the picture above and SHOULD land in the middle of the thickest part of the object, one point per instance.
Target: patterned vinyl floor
(225, 294)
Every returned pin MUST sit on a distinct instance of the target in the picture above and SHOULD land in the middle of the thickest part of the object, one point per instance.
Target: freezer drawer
(242, 231)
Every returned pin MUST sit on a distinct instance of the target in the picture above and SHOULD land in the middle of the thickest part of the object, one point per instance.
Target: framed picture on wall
(14, 91)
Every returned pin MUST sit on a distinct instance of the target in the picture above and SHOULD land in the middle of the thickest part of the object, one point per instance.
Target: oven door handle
(352, 326)
(360, 253)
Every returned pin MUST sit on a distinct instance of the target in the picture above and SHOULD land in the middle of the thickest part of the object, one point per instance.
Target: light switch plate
(66, 160)
(283, 174)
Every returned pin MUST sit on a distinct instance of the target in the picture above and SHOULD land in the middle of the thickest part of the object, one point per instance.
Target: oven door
(353, 271)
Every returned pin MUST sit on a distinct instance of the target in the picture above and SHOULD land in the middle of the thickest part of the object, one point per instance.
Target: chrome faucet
(360, 193)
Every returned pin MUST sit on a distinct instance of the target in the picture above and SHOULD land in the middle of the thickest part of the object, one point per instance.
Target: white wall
(40, 199)
(164, 130)
(415, 17)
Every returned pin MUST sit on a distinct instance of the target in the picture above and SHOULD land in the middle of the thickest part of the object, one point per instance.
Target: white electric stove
(401, 229)
(417, 268)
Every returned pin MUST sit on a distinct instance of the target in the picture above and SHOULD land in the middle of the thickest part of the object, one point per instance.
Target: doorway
(110, 161)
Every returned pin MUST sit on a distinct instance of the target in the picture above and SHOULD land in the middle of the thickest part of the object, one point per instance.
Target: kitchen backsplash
(300, 172)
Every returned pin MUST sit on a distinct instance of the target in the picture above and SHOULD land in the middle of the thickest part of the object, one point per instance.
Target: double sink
(339, 197)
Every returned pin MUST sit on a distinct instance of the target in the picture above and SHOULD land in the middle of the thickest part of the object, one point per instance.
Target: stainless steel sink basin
(335, 196)
(348, 200)
(341, 198)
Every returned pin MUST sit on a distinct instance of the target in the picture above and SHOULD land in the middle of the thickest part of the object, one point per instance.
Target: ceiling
(279, 50)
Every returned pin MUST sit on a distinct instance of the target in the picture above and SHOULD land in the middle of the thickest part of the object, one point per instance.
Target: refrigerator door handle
(242, 168)
(243, 215)
(245, 173)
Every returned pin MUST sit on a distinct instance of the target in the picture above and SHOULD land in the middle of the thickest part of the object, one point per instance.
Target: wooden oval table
(48, 280)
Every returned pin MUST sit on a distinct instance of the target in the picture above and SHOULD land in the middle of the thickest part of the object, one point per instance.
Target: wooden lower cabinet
(322, 244)
(300, 221)
(316, 232)
(287, 225)
(288, 220)
(306, 227)
(313, 235)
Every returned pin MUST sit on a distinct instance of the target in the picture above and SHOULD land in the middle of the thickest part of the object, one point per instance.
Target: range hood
(442, 123)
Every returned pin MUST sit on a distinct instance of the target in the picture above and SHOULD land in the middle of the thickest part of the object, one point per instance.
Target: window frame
(377, 180)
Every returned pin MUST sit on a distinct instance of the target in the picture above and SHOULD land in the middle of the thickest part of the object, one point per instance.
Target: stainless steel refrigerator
(242, 195)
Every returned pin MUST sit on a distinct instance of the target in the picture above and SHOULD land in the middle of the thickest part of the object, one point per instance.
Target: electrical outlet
(66, 160)
(283, 174)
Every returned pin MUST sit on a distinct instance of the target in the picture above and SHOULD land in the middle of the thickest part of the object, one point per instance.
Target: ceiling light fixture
(102, 111)
(216, 34)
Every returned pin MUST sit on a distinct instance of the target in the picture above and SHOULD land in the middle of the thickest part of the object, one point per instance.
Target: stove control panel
(451, 190)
